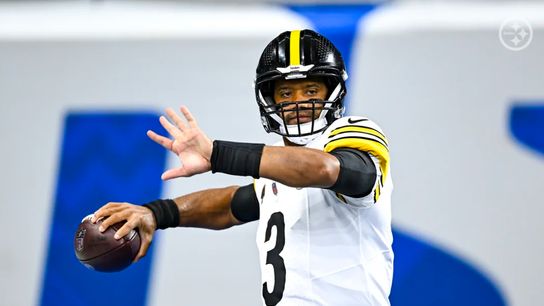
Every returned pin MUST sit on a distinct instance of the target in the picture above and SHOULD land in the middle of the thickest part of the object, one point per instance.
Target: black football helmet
(298, 55)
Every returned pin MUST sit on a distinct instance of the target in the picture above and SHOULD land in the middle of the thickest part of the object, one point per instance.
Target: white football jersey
(318, 247)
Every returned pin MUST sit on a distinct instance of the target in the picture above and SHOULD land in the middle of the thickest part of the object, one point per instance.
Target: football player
(321, 195)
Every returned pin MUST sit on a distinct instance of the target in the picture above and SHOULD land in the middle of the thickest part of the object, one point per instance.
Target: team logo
(355, 121)
(274, 188)
(515, 34)
(80, 236)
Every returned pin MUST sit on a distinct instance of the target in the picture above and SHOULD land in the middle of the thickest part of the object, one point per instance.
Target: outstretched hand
(189, 143)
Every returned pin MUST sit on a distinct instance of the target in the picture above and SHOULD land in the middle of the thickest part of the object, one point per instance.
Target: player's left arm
(341, 170)
(344, 170)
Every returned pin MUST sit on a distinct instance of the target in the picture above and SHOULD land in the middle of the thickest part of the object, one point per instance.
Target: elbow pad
(245, 205)
(357, 175)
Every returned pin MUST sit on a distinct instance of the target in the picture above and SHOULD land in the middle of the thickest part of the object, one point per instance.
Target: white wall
(441, 84)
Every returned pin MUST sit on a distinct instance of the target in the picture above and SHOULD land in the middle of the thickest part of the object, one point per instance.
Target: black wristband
(236, 158)
(166, 213)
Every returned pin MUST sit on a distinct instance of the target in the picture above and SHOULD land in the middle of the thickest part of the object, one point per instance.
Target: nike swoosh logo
(355, 121)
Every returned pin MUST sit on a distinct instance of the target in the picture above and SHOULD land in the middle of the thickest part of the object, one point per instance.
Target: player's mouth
(302, 118)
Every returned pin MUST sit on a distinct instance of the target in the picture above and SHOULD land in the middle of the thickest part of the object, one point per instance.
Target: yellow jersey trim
(371, 146)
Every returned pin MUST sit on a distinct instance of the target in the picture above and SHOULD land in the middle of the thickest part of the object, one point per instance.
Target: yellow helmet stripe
(294, 48)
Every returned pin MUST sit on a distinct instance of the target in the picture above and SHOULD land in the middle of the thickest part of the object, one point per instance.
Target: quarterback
(322, 195)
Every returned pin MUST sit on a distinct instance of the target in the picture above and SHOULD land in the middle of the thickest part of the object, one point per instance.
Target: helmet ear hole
(269, 100)
(267, 91)
(331, 85)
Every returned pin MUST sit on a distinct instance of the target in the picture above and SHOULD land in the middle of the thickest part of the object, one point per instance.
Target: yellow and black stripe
(341, 197)
(359, 129)
(377, 192)
(363, 138)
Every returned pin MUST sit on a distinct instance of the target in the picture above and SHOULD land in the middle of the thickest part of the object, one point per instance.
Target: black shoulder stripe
(356, 126)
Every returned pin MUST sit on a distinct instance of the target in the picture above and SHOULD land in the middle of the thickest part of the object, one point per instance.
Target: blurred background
(456, 85)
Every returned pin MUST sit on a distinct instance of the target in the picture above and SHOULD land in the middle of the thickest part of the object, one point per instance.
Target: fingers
(106, 210)
(175, 118)
(124, 230)
(111, 220)
(172, 129)
(144, 246)
(163, 141)
(190, 119)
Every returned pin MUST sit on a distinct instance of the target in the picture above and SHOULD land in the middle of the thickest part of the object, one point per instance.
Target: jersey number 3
(273, 258)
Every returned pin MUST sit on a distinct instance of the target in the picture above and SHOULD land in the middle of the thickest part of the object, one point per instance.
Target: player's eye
(285, 94)
(312, 91)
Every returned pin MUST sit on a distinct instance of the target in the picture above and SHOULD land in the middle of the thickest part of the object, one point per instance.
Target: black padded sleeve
(357, 173)
(244, 205)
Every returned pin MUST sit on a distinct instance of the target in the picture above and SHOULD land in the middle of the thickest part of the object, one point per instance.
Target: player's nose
(299, 96)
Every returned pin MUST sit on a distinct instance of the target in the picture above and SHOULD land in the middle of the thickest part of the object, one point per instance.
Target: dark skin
(291, 165)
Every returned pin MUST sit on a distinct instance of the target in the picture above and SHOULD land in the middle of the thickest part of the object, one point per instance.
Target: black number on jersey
(273, 258)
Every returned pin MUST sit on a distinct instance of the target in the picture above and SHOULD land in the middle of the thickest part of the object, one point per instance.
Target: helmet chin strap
(305, 128)
(302, 140)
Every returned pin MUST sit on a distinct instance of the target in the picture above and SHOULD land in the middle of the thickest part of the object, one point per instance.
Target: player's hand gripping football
(135, 216)
(189, 143)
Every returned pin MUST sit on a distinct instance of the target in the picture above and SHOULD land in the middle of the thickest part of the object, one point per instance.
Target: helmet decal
(294, 48)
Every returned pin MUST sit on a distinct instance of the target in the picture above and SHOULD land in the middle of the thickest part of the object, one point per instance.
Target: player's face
(298, 91)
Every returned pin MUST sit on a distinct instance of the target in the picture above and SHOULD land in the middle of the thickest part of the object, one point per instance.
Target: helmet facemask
(277, 116)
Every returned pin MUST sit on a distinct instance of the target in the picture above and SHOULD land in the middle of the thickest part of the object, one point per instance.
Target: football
(100, 251)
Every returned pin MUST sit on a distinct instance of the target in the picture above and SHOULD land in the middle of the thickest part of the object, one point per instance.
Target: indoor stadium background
(461, 102)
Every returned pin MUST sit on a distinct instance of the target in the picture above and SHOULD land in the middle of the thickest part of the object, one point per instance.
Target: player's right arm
(216, 209)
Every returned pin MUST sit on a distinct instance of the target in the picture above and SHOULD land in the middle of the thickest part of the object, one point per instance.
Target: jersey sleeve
(362, 134)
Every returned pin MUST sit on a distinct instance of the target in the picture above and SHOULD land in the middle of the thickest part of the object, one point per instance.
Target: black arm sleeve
(357, 173)
(244, 205)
